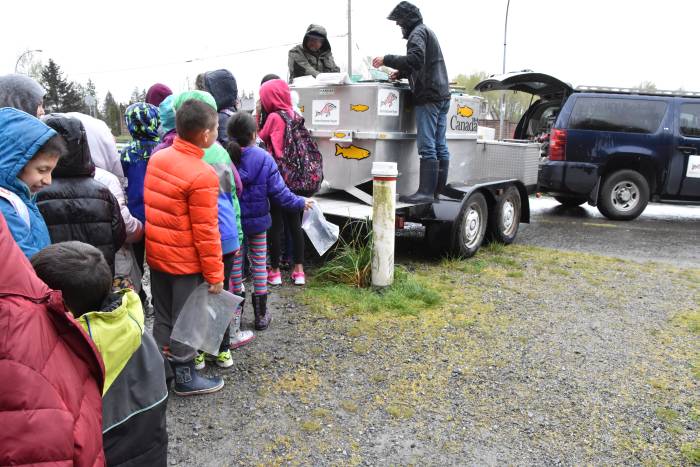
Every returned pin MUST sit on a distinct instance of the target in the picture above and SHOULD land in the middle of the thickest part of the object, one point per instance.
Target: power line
(191, 60)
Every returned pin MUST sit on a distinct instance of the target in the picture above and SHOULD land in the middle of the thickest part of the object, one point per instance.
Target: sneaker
(241, 338)
(200, 362)
(224, 360)
(274, 278)
(188, 382)
(299, 278)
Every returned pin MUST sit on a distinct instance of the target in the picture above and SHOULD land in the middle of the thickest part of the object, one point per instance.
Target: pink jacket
(274, 96)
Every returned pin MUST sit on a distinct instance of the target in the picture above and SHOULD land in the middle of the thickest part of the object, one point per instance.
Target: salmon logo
(389, 101)
(339, 134)
(326, 110)
(465, 111)
(351, 152)
(359, 107)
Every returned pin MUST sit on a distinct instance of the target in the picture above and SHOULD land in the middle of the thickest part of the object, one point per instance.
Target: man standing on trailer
(424, 66)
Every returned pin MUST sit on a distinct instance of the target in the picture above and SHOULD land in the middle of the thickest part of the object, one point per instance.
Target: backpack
(301, 165)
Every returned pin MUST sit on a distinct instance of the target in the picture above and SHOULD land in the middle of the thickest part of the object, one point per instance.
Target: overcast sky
(125, 44)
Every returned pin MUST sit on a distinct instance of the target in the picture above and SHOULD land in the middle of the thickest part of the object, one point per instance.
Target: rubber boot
(239, 338)
(189, 383)
(426, 185)
(443, 169)
(262, 316)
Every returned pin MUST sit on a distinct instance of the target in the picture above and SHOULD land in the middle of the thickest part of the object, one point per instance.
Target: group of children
(193, 190)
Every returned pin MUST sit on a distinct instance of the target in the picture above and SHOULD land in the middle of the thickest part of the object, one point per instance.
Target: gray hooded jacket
(21, 92)
(304, 62)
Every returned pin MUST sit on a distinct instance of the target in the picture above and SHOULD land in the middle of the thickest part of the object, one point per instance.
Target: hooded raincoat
(222, 85)
(275, 97)
(143, 121)
(423, 64)
(304, 62)
(103, 148)
(50, 374)
(21, 92)
(22, 136)
(76, 206)
(135, 391)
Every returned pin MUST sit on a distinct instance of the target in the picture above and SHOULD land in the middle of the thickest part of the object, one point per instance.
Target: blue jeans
(431, 125)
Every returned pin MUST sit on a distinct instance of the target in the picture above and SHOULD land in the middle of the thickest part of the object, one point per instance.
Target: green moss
(667, 415)
(311, 426)
(399, 411)
(691, 451)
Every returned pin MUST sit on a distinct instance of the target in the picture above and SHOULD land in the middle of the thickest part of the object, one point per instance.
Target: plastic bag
(204, 318)
(323, 234)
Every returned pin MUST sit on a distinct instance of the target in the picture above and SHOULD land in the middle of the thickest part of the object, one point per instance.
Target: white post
(383, 222)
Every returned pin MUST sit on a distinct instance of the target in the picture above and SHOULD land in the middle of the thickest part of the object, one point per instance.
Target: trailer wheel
(471, 225)
(504, 218)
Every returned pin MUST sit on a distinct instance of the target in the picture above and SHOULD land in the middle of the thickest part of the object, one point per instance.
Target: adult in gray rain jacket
(313, 55)
(424, 66)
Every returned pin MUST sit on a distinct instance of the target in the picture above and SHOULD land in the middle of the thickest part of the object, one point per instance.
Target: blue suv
(614, 148)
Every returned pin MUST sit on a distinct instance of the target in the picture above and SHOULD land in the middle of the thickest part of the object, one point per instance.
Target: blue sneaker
(189, 383)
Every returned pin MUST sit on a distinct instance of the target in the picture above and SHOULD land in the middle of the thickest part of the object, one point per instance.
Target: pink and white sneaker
(274, 278)
(299, 278)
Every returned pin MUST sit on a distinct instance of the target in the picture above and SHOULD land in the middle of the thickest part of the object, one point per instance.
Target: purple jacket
(262, 184)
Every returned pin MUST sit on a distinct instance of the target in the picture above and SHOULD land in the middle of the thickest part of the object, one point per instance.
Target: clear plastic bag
(323, 234)
(204, 319)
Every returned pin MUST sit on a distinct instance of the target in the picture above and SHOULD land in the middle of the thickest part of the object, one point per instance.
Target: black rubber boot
(262, 316)
(426, 185)
(443, 169)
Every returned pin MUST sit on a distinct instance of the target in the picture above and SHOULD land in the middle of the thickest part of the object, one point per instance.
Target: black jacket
(76, 206)
(423, 64)
(222, 85)
(304, 62)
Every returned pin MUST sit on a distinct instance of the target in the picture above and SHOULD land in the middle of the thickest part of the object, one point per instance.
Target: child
(134, 394)
(222, 85)
(76, 206)
(29, 152)
(274, 98)
(183, 243)
(51, 373)
(261, 180)
(229, 228)
(143, 121)
(23, 93)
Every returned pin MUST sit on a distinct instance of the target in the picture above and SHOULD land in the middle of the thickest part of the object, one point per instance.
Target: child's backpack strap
(16, 203)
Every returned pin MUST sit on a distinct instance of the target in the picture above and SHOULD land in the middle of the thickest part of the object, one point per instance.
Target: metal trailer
(358, 124)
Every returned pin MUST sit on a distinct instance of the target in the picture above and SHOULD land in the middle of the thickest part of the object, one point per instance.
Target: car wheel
(504, 219)
(471, 226)
(624, 195)
(570, 201)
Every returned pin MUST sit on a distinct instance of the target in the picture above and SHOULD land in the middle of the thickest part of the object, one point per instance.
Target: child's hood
(21, 92)
(167, 114)
(116, 331)
(202, 96)
(22, 136)
(222, 85)
(275, 95)
(100, 141)
(143, 121)
(77, 162)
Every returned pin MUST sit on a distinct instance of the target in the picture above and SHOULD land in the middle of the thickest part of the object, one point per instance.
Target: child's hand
(216, 288)
(308, 203)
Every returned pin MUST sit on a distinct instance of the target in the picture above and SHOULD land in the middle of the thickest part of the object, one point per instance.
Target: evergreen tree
(112, 114)
(61, 95)
(137, 96)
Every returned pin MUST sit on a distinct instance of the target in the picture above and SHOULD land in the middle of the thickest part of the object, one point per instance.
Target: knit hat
(21, 92)
(157, 93)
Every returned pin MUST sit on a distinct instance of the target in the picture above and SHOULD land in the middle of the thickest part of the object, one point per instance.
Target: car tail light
(557, 145)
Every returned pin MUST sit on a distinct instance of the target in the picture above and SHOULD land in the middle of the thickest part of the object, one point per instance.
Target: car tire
(570, 201)
(624, 195)
(504, 218)
(470, 226)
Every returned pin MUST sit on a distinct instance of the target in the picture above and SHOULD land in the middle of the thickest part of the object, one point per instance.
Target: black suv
(616, 149)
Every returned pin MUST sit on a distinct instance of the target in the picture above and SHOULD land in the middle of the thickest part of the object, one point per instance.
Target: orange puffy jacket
(182, 230)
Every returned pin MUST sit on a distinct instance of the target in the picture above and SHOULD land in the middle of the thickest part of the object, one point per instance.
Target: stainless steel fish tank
(358, 124)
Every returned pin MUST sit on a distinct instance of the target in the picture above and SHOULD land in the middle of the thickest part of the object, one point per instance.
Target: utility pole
(350, 38)
(22, 56)
(503, 93)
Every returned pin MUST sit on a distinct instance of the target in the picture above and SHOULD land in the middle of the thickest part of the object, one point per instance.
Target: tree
(137, 96)
(61, 95)
(516, 102)
(112, 114)
(647, 86)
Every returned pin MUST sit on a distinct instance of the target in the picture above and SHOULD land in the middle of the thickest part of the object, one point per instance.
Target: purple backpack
(301, 164)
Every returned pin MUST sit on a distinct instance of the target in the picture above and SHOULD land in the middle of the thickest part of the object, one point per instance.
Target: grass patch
(691, 451)
(667, 415)
(351, 260)
(515, 274)
(406, 297)
(689, 320)
(311, 426)
(349, 406)
(400, 411)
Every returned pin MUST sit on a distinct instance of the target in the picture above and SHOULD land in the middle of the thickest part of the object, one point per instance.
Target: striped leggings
(257, 252)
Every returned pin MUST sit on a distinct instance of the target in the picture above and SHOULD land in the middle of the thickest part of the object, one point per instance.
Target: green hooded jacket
(304, 62)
